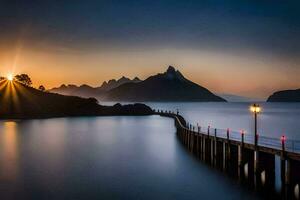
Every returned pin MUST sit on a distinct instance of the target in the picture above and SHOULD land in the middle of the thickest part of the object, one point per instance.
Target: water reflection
(296, 191)
(104, 158)
(9, 150)
(278, 183)
(246, 170)
(263, 178)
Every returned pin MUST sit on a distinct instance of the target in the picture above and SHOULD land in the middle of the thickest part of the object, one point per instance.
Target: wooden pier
(245, 159)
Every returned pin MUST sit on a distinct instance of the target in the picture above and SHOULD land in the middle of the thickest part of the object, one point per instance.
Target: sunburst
(10, 77)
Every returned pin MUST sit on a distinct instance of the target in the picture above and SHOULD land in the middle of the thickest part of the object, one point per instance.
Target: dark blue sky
(267, 25)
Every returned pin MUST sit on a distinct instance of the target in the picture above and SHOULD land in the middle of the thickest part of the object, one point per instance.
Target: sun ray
(6, 98)
(15, 98)
(3, 83)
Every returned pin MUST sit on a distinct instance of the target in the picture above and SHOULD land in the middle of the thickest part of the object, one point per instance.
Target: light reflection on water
(296, 191)
(107, 158)
(9, 151)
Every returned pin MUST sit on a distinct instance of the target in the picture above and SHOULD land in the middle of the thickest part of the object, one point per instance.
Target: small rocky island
(20, 101)
(285, 96)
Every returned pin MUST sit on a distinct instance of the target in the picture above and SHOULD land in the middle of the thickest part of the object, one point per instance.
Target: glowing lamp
(255, 108)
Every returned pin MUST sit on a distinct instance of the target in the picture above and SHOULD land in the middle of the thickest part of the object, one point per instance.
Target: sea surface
(275, 119)
(125, 157)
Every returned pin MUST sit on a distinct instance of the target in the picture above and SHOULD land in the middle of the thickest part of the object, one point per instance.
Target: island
(20, 101)
(285, 96)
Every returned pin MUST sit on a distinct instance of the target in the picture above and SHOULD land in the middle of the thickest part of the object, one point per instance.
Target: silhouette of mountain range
(168, 86)
(285, 96)
(20, 101)
(111, 84)
(74, 90)
(237, 98)
(88, 91)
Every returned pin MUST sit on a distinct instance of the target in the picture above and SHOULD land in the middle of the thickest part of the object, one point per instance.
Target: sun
(10, 77)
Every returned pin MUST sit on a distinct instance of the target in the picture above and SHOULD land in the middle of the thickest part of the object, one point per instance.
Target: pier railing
(290, 145)
(276, 143)
(235, 151)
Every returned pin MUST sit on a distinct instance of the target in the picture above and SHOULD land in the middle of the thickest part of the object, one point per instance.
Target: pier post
(188, 137)
(285, 174)
(240, 150)
(285, 164)
(208, 130)
(203, 147)
(256, 162)
(228, 145)
(212, 152)
(185, 136)
(193, 140)
(224, 156)
(198, 140)
(256, 152)
(215, 148)
(207, 144)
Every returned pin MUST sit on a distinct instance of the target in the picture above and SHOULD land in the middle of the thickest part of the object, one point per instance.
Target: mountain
(74, 90)
(237, 98)
(20, 101)
(285, 96)
(168, 86)
(111, 84)
(88, 91)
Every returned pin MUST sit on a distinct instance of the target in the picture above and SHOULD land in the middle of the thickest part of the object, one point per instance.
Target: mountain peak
(136, 79)
(171, 70)
(123, 78)
(113, 83)
(167, 86)
(172, 73)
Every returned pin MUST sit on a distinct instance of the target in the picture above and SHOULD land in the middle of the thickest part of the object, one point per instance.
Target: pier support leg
(215, 151)
(285, 171)
(240, 161)
(212, 152)
(228, 151)
(224, 156)
(203, 147)
(256, 162)
(240, 155)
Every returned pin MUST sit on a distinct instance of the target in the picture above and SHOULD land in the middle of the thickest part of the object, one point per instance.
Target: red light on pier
(283, 138)
(242, 132)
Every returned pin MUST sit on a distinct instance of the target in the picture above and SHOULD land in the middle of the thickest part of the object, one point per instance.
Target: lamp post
(255, 108)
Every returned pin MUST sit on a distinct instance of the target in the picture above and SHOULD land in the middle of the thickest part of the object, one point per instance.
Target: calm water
(275, 119)
(105, 158)
(126, 157)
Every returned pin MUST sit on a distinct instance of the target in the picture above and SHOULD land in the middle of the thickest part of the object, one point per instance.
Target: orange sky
(245, 48)
(222, 72)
